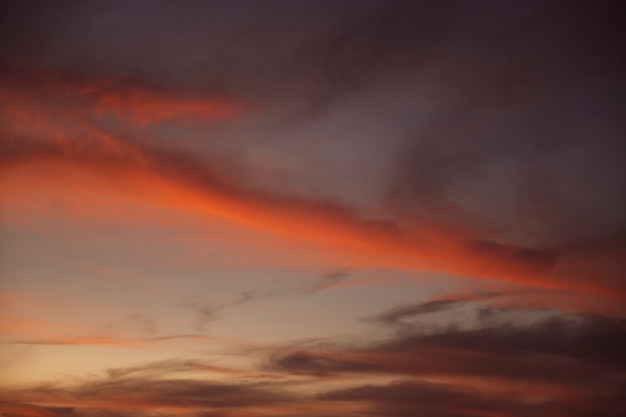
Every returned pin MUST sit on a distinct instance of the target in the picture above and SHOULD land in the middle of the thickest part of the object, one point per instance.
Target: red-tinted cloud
(187, 183)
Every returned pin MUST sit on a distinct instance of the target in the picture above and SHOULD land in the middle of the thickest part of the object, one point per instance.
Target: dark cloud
(562, 349)
(412, 398)
(530, 124)
(573, 362)
(405, 399)
(193, 43)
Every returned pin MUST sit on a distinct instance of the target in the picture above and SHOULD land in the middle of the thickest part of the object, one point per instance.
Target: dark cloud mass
(481, 139)
(497, 338)
(574, 363)
(407, 399)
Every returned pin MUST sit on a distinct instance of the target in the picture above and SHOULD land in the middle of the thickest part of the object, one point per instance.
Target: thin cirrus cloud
(110, 341)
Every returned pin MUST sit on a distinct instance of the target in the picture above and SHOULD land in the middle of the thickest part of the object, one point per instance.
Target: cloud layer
(477, 141)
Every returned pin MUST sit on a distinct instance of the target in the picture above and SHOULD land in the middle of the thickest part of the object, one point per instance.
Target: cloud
(483, 300)
(410, 398)
(489, 182)
(158, 388)
(481, 140)
(509, 163)
(329, 280)
(510, 363)
(23, 410)
(504, 363)
(144, 323)
(183, 181)
(207, 312)
(204, 314)
(148, 396)
(111, 341)
(397, 314)
(126, 101)
(496, 334)
(67, 136)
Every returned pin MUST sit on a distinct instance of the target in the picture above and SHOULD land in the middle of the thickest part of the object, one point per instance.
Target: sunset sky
(314, 208)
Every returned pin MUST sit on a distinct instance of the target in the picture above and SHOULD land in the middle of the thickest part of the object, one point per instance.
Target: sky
(321, 208)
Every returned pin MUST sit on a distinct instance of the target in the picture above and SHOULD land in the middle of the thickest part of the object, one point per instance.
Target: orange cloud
(67, 112)
(181, 183)
(42, 97)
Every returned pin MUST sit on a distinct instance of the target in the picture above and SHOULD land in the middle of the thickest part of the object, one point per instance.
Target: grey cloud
(204, 313)
(410, 398)
(397, 314)
(106, 340)
(207, 312)
(166, 367)
(527, 129)
(144, 323)
(160, 41)
(559, 348)
(306, 363)
(329, 280)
